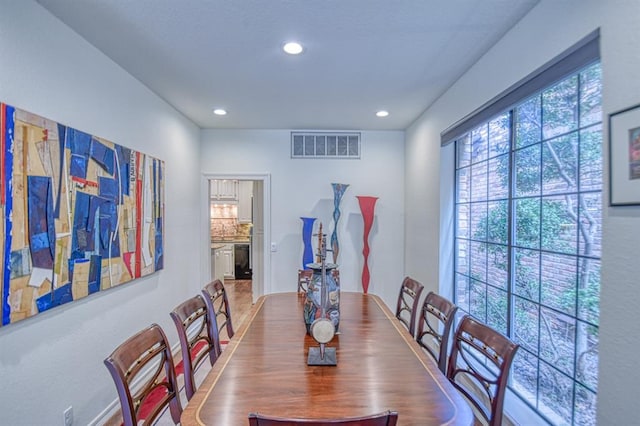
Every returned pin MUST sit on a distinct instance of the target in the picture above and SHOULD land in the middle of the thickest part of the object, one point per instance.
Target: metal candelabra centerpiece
(322, 329)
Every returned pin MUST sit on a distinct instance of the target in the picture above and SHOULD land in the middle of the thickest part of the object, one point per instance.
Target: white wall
(547, 30)
(302, 187)
(55, 359)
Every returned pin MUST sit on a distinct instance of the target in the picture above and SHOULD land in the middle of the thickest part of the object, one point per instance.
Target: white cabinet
(218, 265)
(224, 189)
(224, 262)
(245, 194)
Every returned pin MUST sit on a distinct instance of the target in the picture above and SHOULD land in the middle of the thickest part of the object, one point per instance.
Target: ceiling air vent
(325, 145)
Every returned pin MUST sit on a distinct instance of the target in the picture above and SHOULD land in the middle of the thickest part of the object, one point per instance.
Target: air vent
(325, 145)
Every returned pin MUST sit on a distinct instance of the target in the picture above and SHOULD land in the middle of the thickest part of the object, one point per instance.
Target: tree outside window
(528, 240)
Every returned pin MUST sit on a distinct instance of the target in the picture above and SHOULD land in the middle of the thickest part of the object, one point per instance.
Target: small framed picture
(624, 157)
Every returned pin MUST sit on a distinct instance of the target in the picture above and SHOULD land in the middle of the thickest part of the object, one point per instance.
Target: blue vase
(338, 192)
(307, 229)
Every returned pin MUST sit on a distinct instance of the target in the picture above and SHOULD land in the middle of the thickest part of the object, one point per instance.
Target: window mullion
(510, 229)
(578, 270)
(538, 359)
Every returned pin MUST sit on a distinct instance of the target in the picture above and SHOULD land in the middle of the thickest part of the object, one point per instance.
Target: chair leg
(176, 409)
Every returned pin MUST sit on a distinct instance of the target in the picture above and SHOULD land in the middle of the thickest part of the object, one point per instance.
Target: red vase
(367, 206)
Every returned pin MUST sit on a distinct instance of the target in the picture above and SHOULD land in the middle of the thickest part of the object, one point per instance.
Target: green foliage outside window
(534, 215)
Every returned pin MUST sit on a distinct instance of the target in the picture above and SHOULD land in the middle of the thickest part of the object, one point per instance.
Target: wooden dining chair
(479, 367)
(304, 278)
(198, 334)
(408, 299)
(434, 327)
(387, 418)
(143, 371)
(217, 303)
(335, 273)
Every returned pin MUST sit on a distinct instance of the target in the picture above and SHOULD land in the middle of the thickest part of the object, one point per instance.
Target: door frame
(266, 217)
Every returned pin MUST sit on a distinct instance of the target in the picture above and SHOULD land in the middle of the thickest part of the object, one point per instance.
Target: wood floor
(240, 299)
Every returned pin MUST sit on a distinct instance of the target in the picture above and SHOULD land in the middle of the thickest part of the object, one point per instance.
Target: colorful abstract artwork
(314, 302)
(80, 214)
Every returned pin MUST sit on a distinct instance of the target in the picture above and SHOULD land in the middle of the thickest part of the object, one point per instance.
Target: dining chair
(479, 367)
(215, 297)
(408, 299)
(198, 335)
(387, 418)
(143, 371)
(335, 273)
(304, 278)
(434, 327)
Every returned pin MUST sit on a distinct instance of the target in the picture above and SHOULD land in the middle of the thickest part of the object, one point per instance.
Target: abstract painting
(79, 214)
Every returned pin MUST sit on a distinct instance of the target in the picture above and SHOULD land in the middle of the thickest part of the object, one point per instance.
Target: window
(528, 239)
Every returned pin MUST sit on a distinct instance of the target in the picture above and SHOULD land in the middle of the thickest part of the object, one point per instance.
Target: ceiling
(360, 55)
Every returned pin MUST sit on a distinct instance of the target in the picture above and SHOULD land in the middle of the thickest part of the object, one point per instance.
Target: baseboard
(110, 415)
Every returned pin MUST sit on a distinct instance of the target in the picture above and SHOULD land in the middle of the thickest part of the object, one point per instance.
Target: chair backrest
(408, 300)
(217, 303)
(197, 336)
(144, 394)
(304, 278)
(479, 367)
(434, 327)
(388, 418)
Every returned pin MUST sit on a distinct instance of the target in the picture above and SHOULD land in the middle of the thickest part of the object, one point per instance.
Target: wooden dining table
(379, 367)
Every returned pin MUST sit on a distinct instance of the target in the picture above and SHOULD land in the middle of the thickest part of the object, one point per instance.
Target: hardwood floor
(241, 299)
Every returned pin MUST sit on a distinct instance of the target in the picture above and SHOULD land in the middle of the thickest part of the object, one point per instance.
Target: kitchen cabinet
(228, 261)
(224, 189)
(224, 264)
(245, 195)
(218, 267)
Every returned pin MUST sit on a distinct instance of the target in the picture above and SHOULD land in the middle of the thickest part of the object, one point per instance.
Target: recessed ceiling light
(382, 113)
(220, 111)
(292, 48)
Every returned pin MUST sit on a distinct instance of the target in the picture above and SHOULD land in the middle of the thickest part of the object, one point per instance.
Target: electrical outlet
(68, 416)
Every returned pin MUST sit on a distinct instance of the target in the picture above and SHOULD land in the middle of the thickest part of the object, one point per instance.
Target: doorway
(237, 215)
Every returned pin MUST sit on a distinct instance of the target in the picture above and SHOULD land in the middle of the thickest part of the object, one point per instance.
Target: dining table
(379, 367)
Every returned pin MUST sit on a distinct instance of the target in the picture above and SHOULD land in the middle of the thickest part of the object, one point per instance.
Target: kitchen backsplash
(225, 226)
(228, 229)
